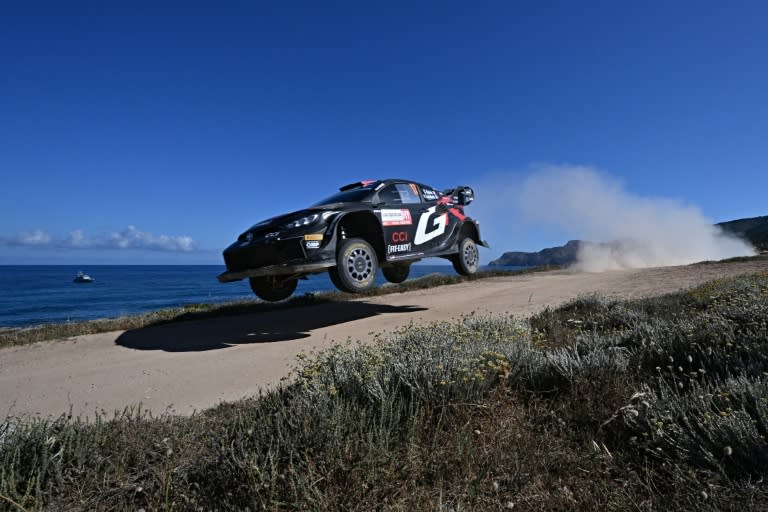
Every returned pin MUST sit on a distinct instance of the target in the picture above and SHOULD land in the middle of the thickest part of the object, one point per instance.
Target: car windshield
(348, 196)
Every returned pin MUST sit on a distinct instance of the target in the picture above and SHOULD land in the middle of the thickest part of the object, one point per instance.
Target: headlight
(304, 221)
(308, 220)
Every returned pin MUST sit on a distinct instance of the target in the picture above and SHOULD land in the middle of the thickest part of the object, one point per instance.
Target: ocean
(32, 294)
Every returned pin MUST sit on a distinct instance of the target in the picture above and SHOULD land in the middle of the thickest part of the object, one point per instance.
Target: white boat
(83, 278)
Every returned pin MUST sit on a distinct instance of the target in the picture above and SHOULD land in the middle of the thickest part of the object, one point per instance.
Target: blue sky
(155, 132)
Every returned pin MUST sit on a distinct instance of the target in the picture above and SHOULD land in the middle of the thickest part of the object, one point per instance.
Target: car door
(400, 204)
(412, 226)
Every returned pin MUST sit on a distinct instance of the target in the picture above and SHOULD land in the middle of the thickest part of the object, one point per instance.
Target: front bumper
(276, 270)
(242, 256)
(298, 255)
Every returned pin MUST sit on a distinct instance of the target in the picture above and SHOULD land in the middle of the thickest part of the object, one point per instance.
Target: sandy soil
(190, 366)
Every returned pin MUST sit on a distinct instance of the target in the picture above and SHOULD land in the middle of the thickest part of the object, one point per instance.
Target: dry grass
(655, 404)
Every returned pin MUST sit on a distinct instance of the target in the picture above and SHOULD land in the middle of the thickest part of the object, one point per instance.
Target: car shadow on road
(269, 327)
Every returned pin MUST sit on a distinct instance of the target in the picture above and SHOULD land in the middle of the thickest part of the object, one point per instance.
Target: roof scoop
(357, 184)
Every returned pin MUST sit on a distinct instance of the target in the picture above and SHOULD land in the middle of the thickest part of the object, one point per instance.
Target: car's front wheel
(396, 273)
(356, 266)
(273, 289)
(468, 260)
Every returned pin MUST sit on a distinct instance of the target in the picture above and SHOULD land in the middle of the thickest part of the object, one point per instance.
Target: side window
(390, 195)
(400, 193)
(409, 193)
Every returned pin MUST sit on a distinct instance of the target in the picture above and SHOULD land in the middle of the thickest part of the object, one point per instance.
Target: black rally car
(370, 224)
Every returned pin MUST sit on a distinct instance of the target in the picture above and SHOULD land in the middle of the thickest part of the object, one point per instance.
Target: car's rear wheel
(272, 288)
(468, 260)
(356, 266)
(396, 273)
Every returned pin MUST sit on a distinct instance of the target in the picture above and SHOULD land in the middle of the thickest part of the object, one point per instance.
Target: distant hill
(563, 255)
(754, 230)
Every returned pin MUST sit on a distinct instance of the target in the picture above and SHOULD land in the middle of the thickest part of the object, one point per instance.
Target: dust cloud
(620, 230)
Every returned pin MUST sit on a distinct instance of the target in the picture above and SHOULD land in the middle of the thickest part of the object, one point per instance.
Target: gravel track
(189, 366)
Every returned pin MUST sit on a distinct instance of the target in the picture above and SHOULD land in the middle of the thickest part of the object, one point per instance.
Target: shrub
(650, 404)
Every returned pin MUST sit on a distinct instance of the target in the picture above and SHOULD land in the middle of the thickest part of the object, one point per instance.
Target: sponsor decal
(313, 244)
(456, 211)
(437, 227)
(429, 194)
(396, 217)
(399, 237)
(394, 249)
(314, 236)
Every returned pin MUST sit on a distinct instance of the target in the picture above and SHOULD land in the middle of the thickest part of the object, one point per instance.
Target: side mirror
(466, 195)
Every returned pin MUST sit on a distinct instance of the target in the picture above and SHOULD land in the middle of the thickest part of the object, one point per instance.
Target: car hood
(282, 220)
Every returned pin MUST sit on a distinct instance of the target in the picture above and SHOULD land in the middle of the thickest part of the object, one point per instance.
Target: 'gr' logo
(438, 226)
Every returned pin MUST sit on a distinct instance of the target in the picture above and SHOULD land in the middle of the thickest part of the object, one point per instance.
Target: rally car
(387, 224)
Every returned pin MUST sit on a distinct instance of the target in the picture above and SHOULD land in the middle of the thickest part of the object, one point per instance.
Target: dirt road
(190, 366)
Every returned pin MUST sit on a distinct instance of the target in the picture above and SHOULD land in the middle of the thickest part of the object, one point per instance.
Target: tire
(396, 273)
(356, 266)
(468, 260)
(273, 289)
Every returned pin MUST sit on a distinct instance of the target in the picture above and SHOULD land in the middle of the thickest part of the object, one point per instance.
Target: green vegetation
(654, 404)
(27, 335)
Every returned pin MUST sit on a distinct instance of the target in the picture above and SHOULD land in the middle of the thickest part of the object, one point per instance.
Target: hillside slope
(754, 230)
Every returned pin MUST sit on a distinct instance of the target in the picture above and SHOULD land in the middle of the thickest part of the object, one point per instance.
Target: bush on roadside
(599, 404)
